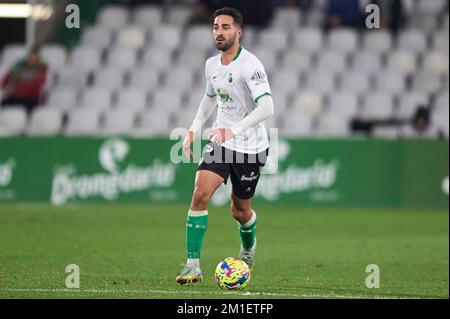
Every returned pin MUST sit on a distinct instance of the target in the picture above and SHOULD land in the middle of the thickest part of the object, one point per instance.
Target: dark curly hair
(232, 12)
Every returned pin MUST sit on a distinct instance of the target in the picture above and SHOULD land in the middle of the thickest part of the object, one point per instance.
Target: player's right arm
(205, 110)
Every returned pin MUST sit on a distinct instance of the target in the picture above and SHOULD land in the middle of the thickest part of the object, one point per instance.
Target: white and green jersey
(238, 86)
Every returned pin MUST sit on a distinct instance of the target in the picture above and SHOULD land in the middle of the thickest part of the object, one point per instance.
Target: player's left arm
(262, 112)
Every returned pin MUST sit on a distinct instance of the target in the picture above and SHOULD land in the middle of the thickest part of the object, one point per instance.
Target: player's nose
(218, 32)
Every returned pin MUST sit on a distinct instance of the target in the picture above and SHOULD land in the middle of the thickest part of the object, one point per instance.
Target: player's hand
(220, 135)
(188, 140)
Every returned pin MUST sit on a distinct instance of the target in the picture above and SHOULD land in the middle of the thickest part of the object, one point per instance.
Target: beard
(226, 44)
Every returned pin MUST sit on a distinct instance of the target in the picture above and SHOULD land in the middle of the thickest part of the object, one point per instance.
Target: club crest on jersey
(230, 78)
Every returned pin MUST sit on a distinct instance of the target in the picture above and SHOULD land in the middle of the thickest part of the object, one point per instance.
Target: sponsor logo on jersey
(224, 96)
(258, 76)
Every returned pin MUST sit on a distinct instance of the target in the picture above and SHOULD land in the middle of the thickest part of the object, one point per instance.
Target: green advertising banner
(359, 172)
(62, 170)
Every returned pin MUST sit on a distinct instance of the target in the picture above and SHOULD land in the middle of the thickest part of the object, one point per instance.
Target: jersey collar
(234, 59)
(237, 55)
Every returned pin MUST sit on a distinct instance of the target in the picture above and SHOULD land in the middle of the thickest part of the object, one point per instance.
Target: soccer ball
(232, 274)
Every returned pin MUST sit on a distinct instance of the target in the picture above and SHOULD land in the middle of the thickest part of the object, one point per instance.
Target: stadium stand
(139, 72)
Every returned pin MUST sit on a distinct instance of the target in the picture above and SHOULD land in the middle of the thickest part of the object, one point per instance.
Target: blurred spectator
(392, 14)
(24, 83)
(343, 13)
(420, 126)
(200, 14)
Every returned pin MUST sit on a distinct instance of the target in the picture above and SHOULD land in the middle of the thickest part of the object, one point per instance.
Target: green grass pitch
(135, 251)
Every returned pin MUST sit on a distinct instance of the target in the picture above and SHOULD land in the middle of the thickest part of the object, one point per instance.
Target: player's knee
(201, 198)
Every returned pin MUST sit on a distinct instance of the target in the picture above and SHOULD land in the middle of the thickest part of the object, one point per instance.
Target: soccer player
(237, 85)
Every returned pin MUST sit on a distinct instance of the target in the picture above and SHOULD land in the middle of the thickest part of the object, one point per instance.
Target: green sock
(196, 225)
(248, 233)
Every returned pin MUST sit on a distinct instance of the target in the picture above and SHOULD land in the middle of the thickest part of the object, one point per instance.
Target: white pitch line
(143, 292)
